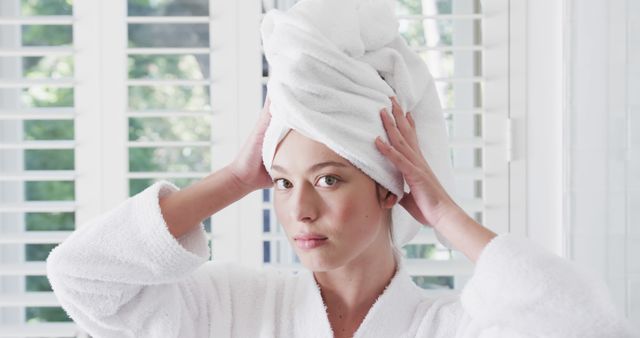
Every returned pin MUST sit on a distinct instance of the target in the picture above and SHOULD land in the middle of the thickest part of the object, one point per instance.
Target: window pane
(38, 283)
(168, 35)
(38, 252)
(170, 159)
(44, 96)
(137, 185)
(46, 314)
(266, 195)
(50, 221)
(50, 190)
(32, 252)
(266, 220)
(434, 282)
(36, 96)
(170, 129)
(48, 130)
(416, 7)
(169, 97)
(48, 159)
(168, 7)
(47, 35)
(46, 7)
(265, 66)
(190, 66)
(46, 67)
(427, 251)
(266, 251)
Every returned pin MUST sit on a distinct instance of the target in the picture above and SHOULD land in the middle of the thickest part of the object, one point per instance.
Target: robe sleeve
(518, 286)
(124, 275)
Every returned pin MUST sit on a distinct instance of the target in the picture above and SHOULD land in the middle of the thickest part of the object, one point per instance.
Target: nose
(303, 203)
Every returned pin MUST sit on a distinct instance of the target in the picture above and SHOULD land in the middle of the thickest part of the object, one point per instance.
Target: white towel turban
(334, 65)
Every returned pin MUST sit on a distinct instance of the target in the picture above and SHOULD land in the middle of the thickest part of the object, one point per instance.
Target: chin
(317, 263)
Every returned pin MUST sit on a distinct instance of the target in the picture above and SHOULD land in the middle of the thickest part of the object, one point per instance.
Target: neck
(351, 290)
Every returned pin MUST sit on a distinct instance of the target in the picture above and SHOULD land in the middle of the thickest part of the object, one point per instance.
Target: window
(100, 99)
(38, 197)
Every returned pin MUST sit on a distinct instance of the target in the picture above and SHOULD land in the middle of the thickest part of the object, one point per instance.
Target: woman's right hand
(247, 167)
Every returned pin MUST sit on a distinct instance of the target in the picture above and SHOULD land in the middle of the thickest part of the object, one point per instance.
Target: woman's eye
(330, 180)
(284, 184)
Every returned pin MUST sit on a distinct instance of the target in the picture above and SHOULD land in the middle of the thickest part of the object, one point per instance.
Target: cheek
(347, 215)
(355, 217)
(283, 217)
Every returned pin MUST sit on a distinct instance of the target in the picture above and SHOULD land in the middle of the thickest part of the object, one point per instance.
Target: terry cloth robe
(124, 275)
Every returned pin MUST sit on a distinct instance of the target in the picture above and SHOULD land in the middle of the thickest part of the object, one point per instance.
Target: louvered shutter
(37, 190)
(137, 79)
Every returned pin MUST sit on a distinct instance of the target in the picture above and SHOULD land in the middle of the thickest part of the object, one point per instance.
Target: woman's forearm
(186, 208)
(464, 233)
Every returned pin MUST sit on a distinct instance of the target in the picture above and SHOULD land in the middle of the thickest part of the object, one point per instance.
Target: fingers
(396, 157)
(401, 121)
(405, 125)
(409, 203)
(395, 136)
(411, 121)
(407, 142)
(397, 140)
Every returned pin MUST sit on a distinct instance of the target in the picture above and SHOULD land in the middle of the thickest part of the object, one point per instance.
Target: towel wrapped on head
(333, 66)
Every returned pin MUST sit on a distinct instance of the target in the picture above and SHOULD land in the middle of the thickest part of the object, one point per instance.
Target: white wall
(604, 204)
(583, 153)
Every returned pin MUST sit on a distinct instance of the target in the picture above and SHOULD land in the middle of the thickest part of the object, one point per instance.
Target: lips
(308, 241)
(308, 237)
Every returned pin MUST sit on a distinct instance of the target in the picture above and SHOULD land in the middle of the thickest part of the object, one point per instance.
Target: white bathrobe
(124, 275)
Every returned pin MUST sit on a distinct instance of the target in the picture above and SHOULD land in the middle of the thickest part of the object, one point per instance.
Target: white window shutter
(16, 175)
(236, 100)
(495, 67)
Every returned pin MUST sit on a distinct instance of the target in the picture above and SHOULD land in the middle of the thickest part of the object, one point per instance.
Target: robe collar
(390, 316)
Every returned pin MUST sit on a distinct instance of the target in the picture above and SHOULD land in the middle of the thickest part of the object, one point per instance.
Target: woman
(141, 270)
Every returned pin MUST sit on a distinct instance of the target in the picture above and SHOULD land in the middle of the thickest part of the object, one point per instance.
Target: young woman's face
(330, 213)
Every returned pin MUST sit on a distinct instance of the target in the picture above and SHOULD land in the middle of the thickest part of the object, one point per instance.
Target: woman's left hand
(427, 200)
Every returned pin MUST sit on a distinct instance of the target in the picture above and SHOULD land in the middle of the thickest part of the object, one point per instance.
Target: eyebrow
(314, 167)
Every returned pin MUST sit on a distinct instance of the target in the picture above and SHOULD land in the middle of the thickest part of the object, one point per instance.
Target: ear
(389, 199)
